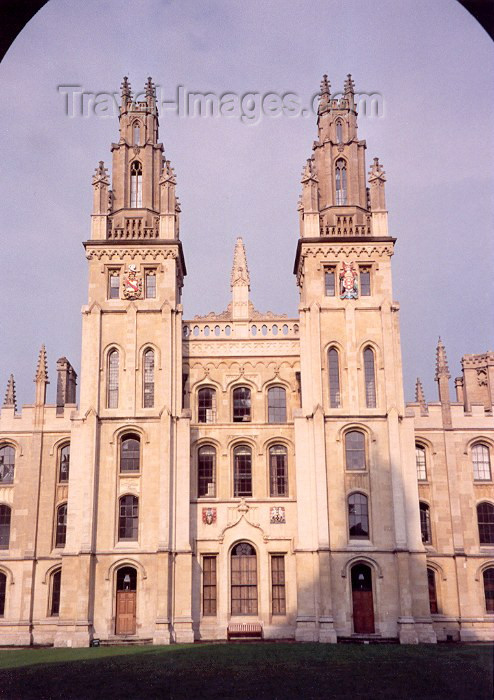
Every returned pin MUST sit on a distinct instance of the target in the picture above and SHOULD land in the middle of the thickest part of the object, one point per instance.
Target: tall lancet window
(339, 132)
(136, 185)
(148, 384)
(340, 179)
(136, 131)
(112, 380)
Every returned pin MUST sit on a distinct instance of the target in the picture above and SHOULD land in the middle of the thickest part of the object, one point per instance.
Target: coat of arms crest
(209, 516)
(132, 283)
(348, 282)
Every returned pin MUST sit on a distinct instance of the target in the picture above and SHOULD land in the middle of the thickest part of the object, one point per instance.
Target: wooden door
(362, 600)
(363, 612)
(126, 612)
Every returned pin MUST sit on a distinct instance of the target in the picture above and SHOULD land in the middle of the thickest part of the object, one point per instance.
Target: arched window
(136, 185)
(355, 450)
(340, 179)
(358, 516)
(206, 405)
(339, 131)
(206, 471)
(425, 523)
(278, 471)
(481, 462)
(128, 518)
(489, 589)
(276, 405)
(369, 378)
(3, 590)
(244, 579)
(5, 513)
(130, 453)
(64, 464)
(148, 379)
(421, 463)
(485, 518)
(7, 464)
(242, 471)
(136, 134)
(334, 378)
(61, 531)
(55, 586)
(112, 384)
(431, 580)
(241, 404)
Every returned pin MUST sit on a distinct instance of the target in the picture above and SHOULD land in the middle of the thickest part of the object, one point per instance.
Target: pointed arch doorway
(125, 617)
(362, 600)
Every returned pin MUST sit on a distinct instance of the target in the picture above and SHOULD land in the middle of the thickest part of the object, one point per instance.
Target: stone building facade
(245, 473)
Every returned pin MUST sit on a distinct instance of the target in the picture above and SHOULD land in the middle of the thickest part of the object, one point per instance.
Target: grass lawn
(250, 671)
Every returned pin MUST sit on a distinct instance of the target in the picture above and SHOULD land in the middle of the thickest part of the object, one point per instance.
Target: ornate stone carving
(348, 282)
(132, 283)
(277, 515)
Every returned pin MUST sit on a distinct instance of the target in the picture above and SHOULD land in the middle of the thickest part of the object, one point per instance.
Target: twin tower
(241, 473)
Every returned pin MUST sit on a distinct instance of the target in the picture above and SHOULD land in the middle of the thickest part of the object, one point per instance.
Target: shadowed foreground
(249, 671)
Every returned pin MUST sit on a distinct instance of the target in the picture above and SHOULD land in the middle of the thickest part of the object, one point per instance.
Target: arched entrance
(362, 600)
(244, 579)
(125, 617)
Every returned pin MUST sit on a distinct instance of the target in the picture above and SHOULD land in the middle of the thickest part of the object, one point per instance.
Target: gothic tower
(130, 411)
(351, 429)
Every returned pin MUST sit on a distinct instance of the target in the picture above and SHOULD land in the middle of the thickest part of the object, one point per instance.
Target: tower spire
(442, 379)
(10, 398)
(240, 283)
(41, 381)
(150, 93)
(126, 93)
(420, 396)
(324, 94)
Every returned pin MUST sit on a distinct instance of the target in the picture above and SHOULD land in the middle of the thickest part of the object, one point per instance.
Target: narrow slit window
(150, 284)
(206, 471)
(56, 584)
(61, 532)
(136, 185)
(330, 281)
(63, 474)
(370, 378)
(365, 281)
(339, 132)
(425, 523)
(341, 183)
(209, 585)
(278, 472)
(420, 459)
(136, 134)
(5, 514)
(112, 390)
(148, 379)
(278, 594)
(242, 471)
(334, 378)
(114, 284)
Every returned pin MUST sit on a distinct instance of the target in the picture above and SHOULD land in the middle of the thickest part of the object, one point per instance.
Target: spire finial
(126, 93)
(150, 89)
(42, 367)
(240, 271)
(10, 398)
(419, 393)
(324, 94)
(349, 88)
(101, 174)
(442, 369)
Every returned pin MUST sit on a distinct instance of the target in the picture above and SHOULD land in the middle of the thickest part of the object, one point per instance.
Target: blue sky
(431, 62)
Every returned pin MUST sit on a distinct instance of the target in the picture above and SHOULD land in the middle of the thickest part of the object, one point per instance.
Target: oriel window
(136, 185)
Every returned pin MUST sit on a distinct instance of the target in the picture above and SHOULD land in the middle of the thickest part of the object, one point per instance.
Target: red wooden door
(362, 600)
(363, 612)
(126, 612)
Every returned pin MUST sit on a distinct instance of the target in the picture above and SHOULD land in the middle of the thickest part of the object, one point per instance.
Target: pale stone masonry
(245, 473)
